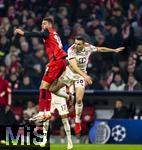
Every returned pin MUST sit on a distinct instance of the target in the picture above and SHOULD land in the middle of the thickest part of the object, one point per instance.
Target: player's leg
(80, 89)
(60, 104)
(67, 128)
(66, 79)
(46, 123)
(45, 132)
(51, 74)
(44, 102)
(44, 97)
(56, 88)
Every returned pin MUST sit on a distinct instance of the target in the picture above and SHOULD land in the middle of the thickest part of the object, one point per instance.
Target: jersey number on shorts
(82, 60)
(80, 81)
(57, 38)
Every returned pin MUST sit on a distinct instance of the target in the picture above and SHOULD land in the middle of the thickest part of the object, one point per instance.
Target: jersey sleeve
(71, 54)
(93, 48)
(43, 34)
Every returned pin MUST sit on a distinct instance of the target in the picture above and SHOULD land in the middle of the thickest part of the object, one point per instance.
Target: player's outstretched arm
(105, 49)
(76, 69)
(42, 34)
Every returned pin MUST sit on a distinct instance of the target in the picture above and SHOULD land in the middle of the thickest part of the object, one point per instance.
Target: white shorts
(80, 83)
(60, 104)
(69, 77)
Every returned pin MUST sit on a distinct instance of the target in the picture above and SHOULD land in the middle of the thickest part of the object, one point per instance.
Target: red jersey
(5, 92)
(53, 46)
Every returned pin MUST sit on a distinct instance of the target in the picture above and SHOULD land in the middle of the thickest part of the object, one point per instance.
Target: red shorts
(54, 70)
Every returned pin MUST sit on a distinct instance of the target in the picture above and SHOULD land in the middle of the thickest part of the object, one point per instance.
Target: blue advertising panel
(116, 131)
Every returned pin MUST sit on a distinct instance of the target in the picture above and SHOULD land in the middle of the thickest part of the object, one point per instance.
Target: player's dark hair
(80, 38)
(49, 19)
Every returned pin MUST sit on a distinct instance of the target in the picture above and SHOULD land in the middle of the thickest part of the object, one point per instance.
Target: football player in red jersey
(57, 63)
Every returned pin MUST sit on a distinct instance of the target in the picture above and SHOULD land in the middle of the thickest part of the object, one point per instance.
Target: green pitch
(96, 147)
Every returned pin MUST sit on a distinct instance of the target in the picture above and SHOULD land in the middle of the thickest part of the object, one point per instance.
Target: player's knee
(52, 89)
(44, 85)
(78, 101)
(64, 116)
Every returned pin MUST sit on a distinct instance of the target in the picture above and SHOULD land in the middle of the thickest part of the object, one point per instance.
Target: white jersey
(83, 56)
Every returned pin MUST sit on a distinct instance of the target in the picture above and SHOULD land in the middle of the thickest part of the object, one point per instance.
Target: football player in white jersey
(59, 103)
(78, 55)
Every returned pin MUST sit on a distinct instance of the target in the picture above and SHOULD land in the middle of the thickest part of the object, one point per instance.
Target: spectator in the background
(30, 110)
(15, 65)
(114, 39)
(29, 24)
(4, 44)
(120, 110)
(11, 13)
(26, 83)
(25, 120)
(128, 37)
(13, 78)
(93, 25)
(61, 15)
(35, 44)
(132, 12)
(116, 17)
(96, 85)
(34, 66)
(131, 65)
(65, 36)
(3, 7)
(132, 84)
(12, 51)
(82, 12)
(81, 31)
(5, 23)
(132, 109)
(137, 63)
(10, 118)
(118, 83)
(25, 51)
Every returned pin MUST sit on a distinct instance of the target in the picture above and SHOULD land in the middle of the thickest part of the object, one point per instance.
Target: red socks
(44, 100)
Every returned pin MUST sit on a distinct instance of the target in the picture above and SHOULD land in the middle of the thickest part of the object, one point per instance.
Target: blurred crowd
(109, 23)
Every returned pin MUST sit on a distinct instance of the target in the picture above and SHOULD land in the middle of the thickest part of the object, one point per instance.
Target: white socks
(45, 130)
(67, 129)
(78, 111)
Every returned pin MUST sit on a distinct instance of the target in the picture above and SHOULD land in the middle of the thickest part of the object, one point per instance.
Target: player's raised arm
(43, 34)
(105, 49)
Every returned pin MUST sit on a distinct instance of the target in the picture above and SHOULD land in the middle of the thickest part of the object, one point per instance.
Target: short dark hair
(49, 19)
(120, 100)
(80, 38)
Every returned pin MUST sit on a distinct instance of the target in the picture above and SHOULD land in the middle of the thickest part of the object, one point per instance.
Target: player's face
(79, 45)
(45, 25)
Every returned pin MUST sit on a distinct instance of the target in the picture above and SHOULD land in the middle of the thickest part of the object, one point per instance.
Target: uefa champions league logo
(118, 133)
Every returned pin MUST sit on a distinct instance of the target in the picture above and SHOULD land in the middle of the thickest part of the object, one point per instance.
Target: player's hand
(117, 50)
(88, 79)
(19, 31)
